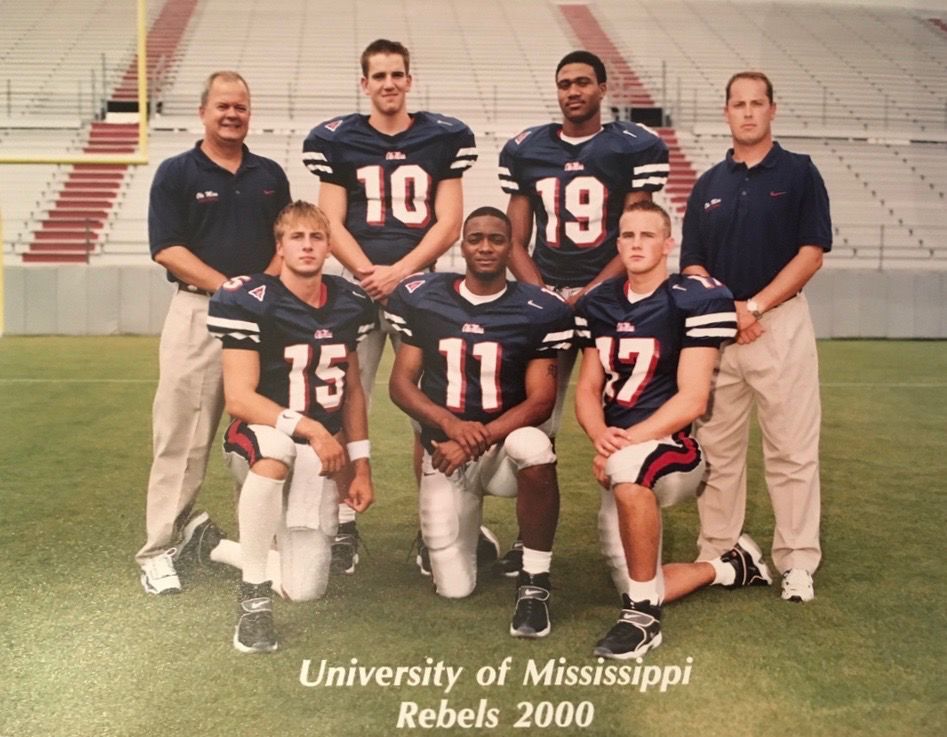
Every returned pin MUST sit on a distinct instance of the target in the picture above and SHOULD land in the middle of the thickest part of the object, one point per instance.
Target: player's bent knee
(529, 446)
(274, 445)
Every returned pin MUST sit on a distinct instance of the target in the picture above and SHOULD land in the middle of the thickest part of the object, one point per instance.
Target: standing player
(292, 385)
(210, 217)
(391, 187)
(650, 342)
(575, 179)
(477, 369)
(759, 221)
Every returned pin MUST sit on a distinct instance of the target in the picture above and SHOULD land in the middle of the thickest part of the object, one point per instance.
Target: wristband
(359, 449)
(754, 309)
(287, 421)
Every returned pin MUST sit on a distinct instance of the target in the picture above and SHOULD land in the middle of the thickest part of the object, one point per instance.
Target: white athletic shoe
(797, 585)
(158, 575)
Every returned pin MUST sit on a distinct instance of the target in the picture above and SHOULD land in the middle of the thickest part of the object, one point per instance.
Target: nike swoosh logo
(444, 122)
(629, 133)
(776, 194)
(679, 288)
(533, 304)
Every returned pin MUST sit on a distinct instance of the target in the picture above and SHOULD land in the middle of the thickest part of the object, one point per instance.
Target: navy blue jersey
(303, 349)
(639, 343)
(475, 356)
(578, 191)
(391, 181)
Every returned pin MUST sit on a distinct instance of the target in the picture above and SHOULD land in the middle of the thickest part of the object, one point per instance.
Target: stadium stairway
(81, 208)
(627, 90)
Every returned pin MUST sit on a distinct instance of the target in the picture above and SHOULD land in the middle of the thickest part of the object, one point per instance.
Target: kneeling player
(650, 342)
(484, 352)
(292, 385)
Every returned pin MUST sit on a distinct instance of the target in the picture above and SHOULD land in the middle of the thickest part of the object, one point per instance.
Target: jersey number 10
(409, 186)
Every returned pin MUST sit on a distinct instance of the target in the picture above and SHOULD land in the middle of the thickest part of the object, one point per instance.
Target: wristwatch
(754, 309)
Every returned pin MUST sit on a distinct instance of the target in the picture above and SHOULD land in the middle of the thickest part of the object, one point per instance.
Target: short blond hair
(649, 206)
(296, 211)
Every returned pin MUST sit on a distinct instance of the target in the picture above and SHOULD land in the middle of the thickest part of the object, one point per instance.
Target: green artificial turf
(85, 652)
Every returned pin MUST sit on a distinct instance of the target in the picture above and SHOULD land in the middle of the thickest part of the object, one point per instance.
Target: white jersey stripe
(711, 332)
(227, 324)
(711, 317)
(652, 168)
(648, 180)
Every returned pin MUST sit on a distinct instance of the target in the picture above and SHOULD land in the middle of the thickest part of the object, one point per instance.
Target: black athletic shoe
(199, 536)
(512, 562)
(747, 560)
(254, 632)
(638, 630)
(345, 549)
(488, 548)
(531, 616)
(423, 558)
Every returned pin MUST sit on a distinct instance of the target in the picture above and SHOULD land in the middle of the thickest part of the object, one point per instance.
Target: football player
(650, 343)
(390, 183)
(291, 383)
(477, 369)
(574, 179)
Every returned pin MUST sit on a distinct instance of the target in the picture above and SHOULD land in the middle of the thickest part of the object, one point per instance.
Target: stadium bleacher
(860, 89)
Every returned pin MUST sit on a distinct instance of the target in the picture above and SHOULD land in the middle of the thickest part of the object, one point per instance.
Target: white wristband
(359, 449)
(287, 421)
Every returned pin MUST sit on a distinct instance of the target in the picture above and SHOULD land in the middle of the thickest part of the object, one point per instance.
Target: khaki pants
(778, 372)
(187, 410)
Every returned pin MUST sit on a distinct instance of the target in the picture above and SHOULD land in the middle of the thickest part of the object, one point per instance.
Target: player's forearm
(612, 269)
(791, 278)
(523, 267)
(588, 409)
(347, 250)
(674, 415)
(416, 404)
(188, 268)
(529, 413)
(432, 246)
(695, 270)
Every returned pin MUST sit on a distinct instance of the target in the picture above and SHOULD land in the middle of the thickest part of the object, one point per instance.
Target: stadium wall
(110, 300)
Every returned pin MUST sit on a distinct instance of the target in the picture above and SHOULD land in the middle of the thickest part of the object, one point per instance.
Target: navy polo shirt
(744, 225)
(225, 219)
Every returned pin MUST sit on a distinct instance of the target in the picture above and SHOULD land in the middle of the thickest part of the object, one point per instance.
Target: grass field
(85, 652)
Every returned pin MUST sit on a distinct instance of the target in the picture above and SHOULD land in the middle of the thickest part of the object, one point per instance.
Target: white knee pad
(450, 522)
(529, 446)
(305, 556)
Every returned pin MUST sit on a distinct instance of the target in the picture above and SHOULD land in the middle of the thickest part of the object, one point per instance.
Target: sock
(258, 512)
(536, 561)
(346, 514)
(229, 553)
(724, 573)
(644, 591)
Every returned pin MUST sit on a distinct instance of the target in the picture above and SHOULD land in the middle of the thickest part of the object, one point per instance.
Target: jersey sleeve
(233, 317)
(368, 317)
(400, 310)
(320, 156)
(557, 331)
(463, 153)
(509, 182)
(583, 332)
(710, 318)
(650, 167)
